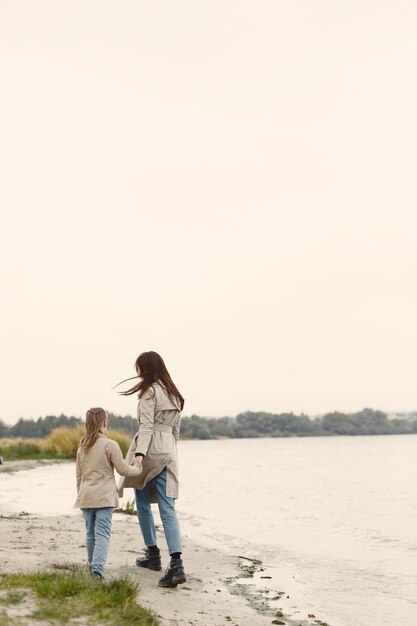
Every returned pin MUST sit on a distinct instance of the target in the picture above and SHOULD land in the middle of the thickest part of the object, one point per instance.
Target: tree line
(245, 425)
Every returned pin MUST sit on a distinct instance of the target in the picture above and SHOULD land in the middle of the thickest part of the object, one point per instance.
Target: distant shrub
(63, 442)
(14, 450)
(122, 439)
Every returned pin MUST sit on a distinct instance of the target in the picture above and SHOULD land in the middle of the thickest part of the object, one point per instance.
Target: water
(338, 513)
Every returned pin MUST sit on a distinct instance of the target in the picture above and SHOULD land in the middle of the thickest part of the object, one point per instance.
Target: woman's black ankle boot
(151, 560)
(174, 574)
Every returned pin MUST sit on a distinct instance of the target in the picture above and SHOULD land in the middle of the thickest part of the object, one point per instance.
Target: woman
(154, 448)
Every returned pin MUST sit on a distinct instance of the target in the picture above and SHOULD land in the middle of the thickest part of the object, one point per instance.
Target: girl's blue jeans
(167, 512)
(98, 526)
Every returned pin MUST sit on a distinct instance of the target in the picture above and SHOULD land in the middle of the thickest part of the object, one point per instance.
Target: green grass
(12, 597)
(128, 509)
(6, 620)
(21, 450)
(61, 597)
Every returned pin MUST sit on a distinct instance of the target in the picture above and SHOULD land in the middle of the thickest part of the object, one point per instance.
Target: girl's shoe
(97, 575)
(174, 574)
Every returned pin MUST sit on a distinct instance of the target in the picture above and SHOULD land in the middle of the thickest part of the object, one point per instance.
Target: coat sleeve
(176, 429)
(146, 418)
(115, 456)
(78, 470)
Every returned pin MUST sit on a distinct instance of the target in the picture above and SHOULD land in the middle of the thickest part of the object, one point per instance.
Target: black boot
(174, 575)
(151, 560)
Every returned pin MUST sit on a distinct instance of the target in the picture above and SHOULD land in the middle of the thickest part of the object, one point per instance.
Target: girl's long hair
(150, 368)
(94, 421)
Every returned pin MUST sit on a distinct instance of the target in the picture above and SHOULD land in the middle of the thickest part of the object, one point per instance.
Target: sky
(229, 183)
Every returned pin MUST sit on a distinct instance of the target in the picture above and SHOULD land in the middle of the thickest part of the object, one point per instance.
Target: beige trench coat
(159, 429)
(96, 485)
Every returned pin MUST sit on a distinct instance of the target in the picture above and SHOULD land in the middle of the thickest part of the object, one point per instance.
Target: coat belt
(163, 428)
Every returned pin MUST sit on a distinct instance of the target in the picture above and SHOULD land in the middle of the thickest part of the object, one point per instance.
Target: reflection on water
(340, 512)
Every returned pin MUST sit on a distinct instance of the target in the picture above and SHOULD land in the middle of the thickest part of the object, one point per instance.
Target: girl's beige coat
(96, 485)
(159, 428)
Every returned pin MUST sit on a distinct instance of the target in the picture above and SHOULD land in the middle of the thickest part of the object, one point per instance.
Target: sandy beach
(218, 589)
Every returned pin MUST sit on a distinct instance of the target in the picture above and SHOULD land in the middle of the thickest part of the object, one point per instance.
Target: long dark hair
(150, 368)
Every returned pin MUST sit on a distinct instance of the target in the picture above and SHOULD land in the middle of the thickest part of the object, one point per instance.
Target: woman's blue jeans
(98, 526)
(167, 512)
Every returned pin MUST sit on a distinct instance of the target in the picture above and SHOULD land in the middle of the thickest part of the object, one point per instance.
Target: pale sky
(229, 183)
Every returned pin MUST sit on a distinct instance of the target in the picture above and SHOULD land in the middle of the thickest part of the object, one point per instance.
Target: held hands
(137, 461)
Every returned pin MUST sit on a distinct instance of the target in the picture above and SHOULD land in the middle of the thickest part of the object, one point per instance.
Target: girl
(97, 458)
(154, 447)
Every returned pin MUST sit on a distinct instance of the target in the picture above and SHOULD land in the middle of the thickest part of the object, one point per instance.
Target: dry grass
(62, 443)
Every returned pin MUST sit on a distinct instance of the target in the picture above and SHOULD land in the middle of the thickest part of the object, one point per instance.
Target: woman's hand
(138, 461)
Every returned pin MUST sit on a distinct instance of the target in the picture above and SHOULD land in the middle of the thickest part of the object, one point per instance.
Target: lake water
(337, 514)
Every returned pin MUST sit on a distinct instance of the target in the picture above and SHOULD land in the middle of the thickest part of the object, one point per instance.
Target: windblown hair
(150, 368)
(94, 421)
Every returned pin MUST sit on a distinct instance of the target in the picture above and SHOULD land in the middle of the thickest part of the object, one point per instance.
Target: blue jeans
(167, 512)
(98, 526)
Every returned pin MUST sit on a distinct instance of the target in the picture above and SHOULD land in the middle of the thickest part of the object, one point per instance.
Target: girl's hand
(138, 461)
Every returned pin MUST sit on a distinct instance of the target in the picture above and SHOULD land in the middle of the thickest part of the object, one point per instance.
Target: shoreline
(221, 588)
(208, 597)
(9, 467)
